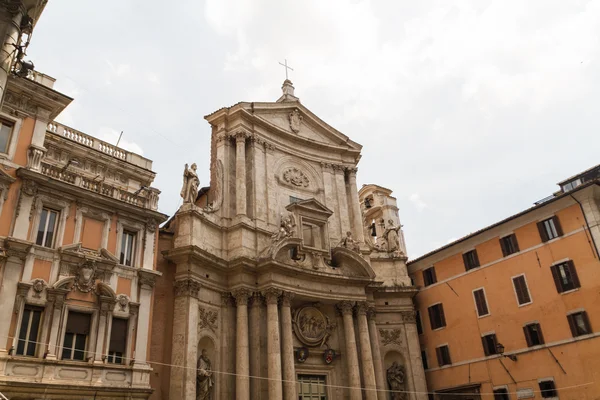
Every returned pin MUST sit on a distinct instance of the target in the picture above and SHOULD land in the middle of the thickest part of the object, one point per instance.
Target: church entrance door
(312, 387)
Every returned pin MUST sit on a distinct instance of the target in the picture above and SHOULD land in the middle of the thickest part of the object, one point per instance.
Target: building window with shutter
(489, 343)
(29, 330)
(509, 245)
(47, 227)
(521, 290)
(6, 129)
(579, 323)
(127, 248)
(548, 389)
(443, 355)
(501, 394)
(471, 260)
(424, 359)
(76, 336)
(533, 334)
(480, 302)
(565, 276)
(549, 229)
(429, 277)
(118, 341)
(437, 319)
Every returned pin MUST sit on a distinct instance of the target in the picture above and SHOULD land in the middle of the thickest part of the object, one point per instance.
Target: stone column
(184, 352)
(256, 302)
(376, 351)
(227, 380)
(57, 296)
(366, 356)
(240, 173)
(8, 294)
(345, 308)
(273, 344)
(287, 348)
(242, 368)
(357, 222)
(414, 349)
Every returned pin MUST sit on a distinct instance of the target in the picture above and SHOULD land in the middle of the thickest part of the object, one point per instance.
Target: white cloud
(416, 200)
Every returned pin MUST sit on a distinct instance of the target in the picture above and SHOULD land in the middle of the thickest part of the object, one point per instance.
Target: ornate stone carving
(38, 286)
(187, 287)
(311, 326)
(361, 308)
(29, 188)
(227, 300)
(409, 316)
(85, 279)
(34, 157)
(295, 120)
(295, 177)
(189, 191)
(241, 296)
(272, 295)
(286, 299)
(208, 319)
(21, 102)
(287, 224)
(256, 300)
(345, 307)
(371, 313)
(395, 379)
(204, 377)
(122, 301)
(390, 336)
(151, 225)
(146, 278)
(349, 243)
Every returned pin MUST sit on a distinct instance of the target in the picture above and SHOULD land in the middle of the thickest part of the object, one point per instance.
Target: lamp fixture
(500, 350)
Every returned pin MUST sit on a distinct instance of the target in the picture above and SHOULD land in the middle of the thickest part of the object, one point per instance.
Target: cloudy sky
(468, 110)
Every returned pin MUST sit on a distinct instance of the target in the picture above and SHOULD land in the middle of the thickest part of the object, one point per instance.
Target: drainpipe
(588, 226)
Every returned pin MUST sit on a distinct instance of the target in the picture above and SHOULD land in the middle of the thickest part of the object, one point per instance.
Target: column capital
(351, 171)
(409, 317)
(187, 287)
(371, 314)
(345, 307)
(272, 295)
(256, 299)
(361, 308)
(226, 299)
(240, 136)
(241, 296)
(286, 299)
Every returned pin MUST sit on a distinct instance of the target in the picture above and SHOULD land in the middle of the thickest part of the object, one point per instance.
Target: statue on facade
(395, 378)
(189, 191)
(286, 228)
(349, 243)
(392, 237)
(204, 380)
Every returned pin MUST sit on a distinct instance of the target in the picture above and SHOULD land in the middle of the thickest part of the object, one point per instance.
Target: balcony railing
(89, 141)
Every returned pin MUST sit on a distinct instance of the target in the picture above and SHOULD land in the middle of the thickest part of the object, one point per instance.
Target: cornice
(30, 97)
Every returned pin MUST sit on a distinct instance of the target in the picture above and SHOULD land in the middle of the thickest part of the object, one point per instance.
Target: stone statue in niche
(392, 237)
(204, 379)
(295, 120)
(395, 379)
(189, 191)
(286, 228)
(349, 243)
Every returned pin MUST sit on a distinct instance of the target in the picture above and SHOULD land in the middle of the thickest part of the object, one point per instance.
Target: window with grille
(443, 355)
(127, 248)
(565, 276)
(47, 228)
(471, 260)
(118, 341)
(579, 323)
(6, 129)
(548, 389)
(29, 330)
(489, 343)
(549, 229)
(312, 387)
(481, 302)
(521, 290)
(429, 277)
(437, 319)
(533, 334)
(509, 245)
(76, 336)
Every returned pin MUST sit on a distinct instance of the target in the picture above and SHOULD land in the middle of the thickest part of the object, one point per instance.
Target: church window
(429, 277)
(118, 341)
(127, 248)
(6, 129)
(311, 387)
(471, 260)
(47, 227)
(437, 318)
(443, 355)
(76, 336)
(29, 332)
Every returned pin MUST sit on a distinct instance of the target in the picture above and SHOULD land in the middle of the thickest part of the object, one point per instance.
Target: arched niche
(207, 343)
(397, 382)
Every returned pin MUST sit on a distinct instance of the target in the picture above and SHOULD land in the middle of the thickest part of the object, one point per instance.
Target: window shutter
(556, 277)
(118, 335)
(573, 274)
(447, 352)
(431, 318)
(527, 336)
(542, 230)
(433, 275)
(587, 322)
(557, 225)
(486, 351)
(540, 335)
(513, 239)
(78, 323)
(438, 353)
(466, 261)
(476, 258)
(442, 316)
(503, 247)
(572, 325)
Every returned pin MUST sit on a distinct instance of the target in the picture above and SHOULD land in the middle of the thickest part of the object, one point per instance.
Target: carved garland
(208, 319)
(390, 336)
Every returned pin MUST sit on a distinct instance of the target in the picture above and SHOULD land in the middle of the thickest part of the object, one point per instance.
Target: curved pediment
(351, 263)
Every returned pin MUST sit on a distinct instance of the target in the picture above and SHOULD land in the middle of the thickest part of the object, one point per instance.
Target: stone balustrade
(57, 173)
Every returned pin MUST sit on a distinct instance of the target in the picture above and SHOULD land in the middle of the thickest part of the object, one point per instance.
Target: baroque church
(282, 280)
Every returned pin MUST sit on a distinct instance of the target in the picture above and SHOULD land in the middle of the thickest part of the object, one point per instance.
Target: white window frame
(39, 344)
(505, 387)
(515, 290)
(90, 346)
(487, 304)
(14, 137)
(138, 229)
(49, 211)
(62, 207)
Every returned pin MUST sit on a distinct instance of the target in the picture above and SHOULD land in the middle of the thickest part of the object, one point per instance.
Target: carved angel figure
(395, 378)
(204, 379)
(286, 228)
(189, 191)
(349, 243)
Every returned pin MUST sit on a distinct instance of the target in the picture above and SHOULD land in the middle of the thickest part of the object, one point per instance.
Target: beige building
(281, 280)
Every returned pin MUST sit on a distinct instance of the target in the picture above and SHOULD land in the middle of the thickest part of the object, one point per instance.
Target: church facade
(282, 280)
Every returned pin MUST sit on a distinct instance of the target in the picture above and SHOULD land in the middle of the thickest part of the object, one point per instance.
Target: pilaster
(240, 173)
(376, 351)
(366, 356)
(345, 308)
(242, 380)
(273, 343)
(287, 348)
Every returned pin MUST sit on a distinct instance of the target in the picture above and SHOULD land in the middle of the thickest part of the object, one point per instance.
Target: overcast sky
(468, 110)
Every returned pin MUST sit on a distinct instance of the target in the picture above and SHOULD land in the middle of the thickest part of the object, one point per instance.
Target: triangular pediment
(311, 205)
(77, 250)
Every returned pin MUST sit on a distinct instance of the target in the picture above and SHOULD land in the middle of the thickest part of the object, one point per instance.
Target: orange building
(513, 311)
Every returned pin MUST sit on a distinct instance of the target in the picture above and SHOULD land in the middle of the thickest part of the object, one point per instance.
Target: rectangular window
(424, 359)
(471, 260)
(76, 336)
(549, 229)
(443, 355)
(565, 276)
(579, 323)
(533, 334)
(118, 341)
(521, 290)
(419, 323)
(480, 302)
(509, 245)
(547, 389)
(501, 394)
(489, 344)
(437, 319)
(47, 228)
(6, 129)
(29, 332)
(429, 277)
(127, 248)
(312, 387)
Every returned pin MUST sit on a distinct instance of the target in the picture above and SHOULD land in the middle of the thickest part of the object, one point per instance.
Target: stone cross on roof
(286, 68)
